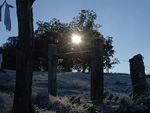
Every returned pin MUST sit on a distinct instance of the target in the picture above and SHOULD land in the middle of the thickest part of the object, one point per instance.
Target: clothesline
(2, 4)
(8, 4)
(0, 10)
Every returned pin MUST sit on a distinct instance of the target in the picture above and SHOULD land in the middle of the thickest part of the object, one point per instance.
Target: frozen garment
(7, 20)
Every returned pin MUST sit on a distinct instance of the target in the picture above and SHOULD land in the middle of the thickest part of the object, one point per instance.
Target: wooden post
(52, 64)
(1, 60)
(97, 79)
(137, 72)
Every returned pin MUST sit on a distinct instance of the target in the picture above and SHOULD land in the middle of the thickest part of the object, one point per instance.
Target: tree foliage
(56, 32)
(109, 61)
(9, 53)
(84, 25)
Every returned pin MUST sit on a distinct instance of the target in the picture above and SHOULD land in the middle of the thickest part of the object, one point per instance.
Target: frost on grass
(6, 101)
(117, 88)
(57, 104)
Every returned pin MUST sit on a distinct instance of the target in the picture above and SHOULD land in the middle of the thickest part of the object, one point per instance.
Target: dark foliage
(55, 32)
(9, 53)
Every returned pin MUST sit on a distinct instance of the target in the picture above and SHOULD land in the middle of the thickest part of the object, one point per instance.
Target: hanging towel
(7, 20)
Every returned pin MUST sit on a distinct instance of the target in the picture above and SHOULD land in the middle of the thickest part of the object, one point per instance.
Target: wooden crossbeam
(71, 55)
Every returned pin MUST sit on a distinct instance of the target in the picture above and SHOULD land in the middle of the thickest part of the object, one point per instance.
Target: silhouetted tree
(109, 61)
(55, 32)
(60, 33)
(9, 53)
(84, 25)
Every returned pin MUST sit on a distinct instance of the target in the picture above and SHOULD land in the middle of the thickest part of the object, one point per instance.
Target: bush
(139, 106)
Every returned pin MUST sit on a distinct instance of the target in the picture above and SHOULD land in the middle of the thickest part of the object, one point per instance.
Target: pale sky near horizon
(127, 21)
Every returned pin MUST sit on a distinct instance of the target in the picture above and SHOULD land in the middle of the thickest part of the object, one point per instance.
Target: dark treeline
(55, 32)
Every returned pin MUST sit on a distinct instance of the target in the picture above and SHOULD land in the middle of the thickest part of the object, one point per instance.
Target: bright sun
(76, 39)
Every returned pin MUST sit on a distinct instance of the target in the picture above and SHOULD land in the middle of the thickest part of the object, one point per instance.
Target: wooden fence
(96, 57)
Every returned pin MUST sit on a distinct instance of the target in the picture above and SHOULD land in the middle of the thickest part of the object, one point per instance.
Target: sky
(127, 21)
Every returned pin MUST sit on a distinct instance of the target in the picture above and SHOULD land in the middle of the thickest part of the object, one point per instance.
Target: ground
(72, 88)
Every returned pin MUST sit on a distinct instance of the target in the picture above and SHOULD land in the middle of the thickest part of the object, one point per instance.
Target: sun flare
(76, 39)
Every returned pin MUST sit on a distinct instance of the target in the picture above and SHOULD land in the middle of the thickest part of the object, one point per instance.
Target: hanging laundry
(7, 20)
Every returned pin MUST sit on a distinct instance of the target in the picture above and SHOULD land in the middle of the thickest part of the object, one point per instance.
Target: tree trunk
(23, 89)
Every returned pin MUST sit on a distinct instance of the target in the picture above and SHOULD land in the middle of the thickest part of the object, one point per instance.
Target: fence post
(1, 60)
(137, 72)
(52, 64)
(97, 79)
